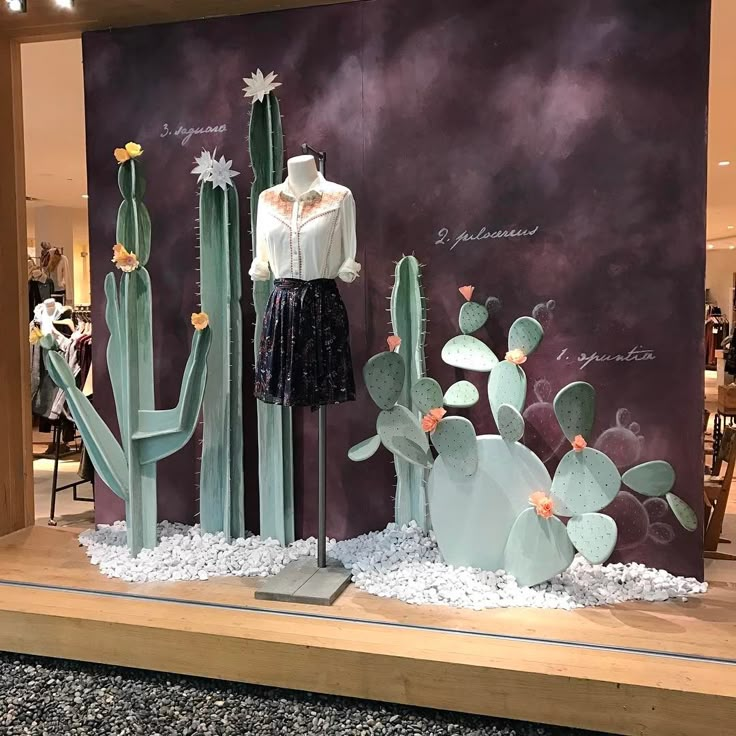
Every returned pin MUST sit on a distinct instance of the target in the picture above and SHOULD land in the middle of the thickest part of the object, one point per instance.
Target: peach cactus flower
(393, 342)
(121, 155)
(124, 260)
(543, 504)
(133, 149)
(516, 356)
(200, 320)
(467, 292)
(579, 443)
(431, 419)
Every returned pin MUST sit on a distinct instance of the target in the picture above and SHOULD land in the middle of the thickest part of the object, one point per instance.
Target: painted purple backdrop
(583, 120)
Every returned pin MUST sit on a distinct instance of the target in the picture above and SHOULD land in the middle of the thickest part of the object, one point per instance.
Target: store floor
(52, 697)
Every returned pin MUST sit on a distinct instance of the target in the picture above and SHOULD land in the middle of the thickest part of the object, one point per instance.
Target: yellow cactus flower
(200, 320)
(35, 336)
(133, 149)
(124, 260)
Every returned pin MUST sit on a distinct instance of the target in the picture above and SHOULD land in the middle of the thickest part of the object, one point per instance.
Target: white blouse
(307, 237)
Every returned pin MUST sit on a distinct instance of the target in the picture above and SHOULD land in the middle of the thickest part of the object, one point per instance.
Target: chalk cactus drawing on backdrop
(492, 500)
(275, 442)
(147, 435)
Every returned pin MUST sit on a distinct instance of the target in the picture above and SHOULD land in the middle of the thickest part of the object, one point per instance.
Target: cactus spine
(221, 476)
(146, 435)
(409, 321)
(275, 444)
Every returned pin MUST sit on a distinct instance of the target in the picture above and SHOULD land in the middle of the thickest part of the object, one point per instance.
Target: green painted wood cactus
(222, 488)
(146, 434)
(275, 440)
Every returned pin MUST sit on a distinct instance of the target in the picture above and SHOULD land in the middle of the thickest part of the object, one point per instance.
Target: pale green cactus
(146, 435)
(275, 443)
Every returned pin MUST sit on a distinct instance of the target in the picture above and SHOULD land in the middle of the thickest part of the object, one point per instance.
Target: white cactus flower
(222, 174)
(259, 86)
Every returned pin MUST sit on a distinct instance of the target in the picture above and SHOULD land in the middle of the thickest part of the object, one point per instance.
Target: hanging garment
(306, 242)
(304, 357)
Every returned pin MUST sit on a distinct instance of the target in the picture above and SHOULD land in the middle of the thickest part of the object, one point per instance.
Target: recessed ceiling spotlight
(66, 4)
(731, 227)
(85, 196)
(732, 247)
(16, 6)
(724, 163)
(711, 246)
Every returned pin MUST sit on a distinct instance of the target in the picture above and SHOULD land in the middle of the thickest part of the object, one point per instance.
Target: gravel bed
(44, 697)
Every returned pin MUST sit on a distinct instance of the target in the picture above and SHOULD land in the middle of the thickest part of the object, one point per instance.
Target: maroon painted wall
(582, 121)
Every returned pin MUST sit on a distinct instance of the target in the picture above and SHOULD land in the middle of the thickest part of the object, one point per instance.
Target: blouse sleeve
(350, 268)
(259, 270)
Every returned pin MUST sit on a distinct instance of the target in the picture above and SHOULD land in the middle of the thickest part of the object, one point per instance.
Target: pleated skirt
(304, 351)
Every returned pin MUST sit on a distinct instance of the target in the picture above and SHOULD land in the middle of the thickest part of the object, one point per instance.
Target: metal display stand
(304, 581)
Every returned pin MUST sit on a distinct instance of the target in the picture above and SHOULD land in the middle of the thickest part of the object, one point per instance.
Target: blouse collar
(315, 191)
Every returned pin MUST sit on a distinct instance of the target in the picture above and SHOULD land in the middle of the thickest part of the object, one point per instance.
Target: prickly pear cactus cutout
(427, 394)
(384, 376)
(410, 450)
(575, 409)
(594, 536)
(400, 422)
(655, 478)
(525, 334)
(365, 449)
(472, 317)
(457, 444)
(472, 517)
(683, 512)
(461, 395)
(506, 385)
(469, 353)
(585, 481)
(510, 423)
(537, 549)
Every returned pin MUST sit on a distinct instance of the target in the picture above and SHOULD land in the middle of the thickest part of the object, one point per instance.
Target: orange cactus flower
(200, 320)
(516, 356)
(579, 443)
(124, 260)
(432, 418)
(543, 504)
(121, 155)
(393, 342)
(467, 292)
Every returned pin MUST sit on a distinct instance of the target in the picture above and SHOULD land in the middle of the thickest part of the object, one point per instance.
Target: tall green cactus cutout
(409, 321)
(221, 491)
(275, 443)
(147, 435)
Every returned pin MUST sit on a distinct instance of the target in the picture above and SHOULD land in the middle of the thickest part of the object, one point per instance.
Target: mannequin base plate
(303, 582)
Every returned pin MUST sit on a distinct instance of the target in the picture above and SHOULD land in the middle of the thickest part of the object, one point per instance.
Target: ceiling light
(724, 163)
(731, 227)
(85, 196)
(16, 6)
(66, 4)
(732, 247)
(711, 246)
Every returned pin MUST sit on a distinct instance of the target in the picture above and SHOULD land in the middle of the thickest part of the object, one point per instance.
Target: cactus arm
(156, 445)
(115, 365)
(105, 453)
(134, 223)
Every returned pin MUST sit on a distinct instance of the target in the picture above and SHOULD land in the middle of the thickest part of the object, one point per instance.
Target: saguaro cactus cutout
(221, 489)
(147, 435)
(275, 443)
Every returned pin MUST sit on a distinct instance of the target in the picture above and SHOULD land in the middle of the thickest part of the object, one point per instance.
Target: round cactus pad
(594, 536)
(400, 422)
(469, 353)
(585, 481)
(384, 376)
(537, 548)
(683, 512)
(461, 395)
(575, 409)
(506, 385)
(365, 449)
(426, 395)
(410, 450)
(472, 317)
(525, 334)
(655, 478)
(510, 423)
(472, 517)
(457, 444)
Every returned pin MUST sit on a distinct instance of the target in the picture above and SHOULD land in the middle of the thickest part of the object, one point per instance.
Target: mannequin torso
(302, 173)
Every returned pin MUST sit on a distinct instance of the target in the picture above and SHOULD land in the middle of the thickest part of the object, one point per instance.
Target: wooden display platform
(665, 668)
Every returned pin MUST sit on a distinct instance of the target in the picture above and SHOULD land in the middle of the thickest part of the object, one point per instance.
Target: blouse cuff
(349, 271)
(259, 271)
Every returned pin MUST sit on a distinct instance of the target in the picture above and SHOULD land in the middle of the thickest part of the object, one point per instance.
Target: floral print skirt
(304, 353)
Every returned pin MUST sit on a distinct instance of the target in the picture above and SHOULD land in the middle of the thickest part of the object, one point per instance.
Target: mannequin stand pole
(303, 581)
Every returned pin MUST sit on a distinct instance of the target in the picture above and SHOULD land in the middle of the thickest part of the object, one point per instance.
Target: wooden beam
(16, 465)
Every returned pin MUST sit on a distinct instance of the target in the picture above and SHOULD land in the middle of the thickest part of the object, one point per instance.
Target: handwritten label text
(444, 236)
(186, 133)
(635, 355)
